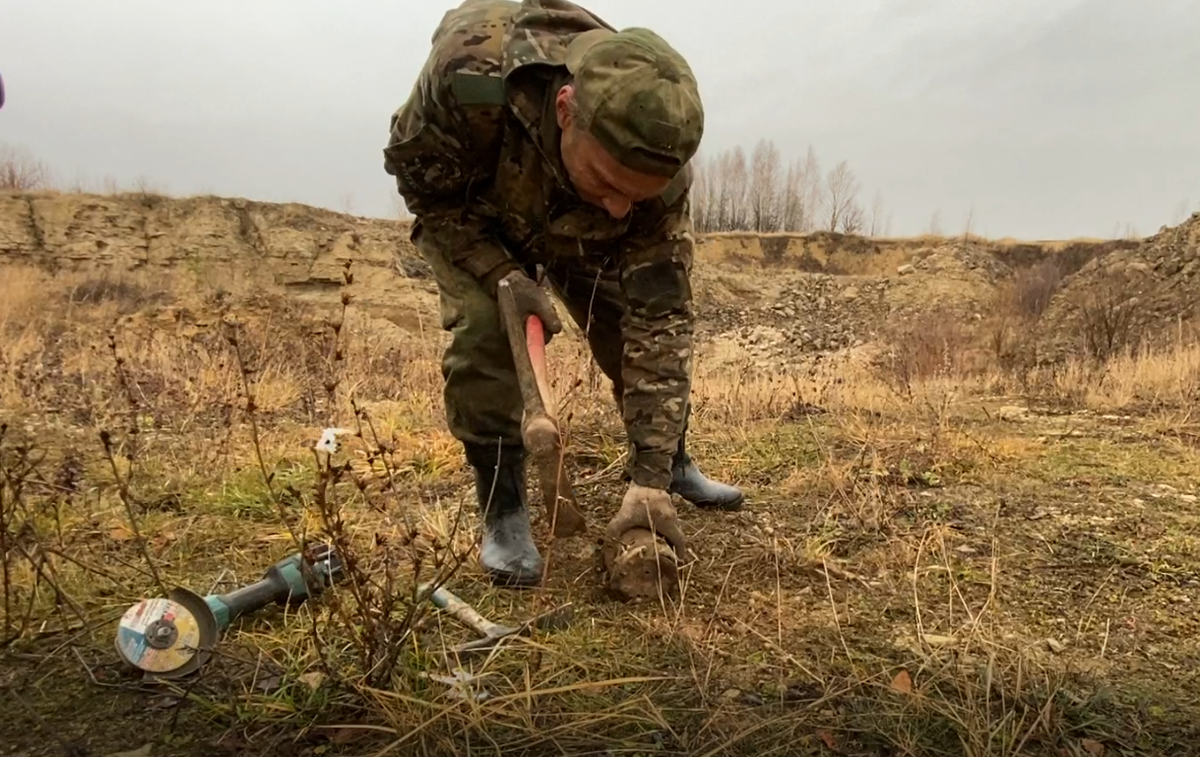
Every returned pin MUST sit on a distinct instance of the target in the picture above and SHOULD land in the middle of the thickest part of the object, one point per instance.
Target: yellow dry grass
(928, 564)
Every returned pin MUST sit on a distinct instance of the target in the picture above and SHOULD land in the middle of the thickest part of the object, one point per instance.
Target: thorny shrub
(143, 397)
(376, 612)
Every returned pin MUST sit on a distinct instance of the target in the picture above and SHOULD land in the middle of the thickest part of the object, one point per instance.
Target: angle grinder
(172, 636)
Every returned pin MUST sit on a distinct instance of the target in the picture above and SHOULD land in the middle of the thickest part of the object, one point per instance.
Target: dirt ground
(950, 565)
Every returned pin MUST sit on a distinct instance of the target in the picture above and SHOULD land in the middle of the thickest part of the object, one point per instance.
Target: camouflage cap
(638, 97)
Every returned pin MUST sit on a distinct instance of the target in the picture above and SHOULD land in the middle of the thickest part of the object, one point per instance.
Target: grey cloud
(1051, 118)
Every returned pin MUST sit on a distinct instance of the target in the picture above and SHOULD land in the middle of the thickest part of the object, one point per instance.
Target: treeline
(733, 192)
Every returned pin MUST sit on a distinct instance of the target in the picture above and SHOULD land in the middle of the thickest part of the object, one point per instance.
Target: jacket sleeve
(442, 143)
(658, 330)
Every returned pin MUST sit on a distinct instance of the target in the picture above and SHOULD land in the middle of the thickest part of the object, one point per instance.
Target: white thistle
(328, 442)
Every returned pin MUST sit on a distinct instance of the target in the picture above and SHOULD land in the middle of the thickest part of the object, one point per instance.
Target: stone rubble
(1158, 280)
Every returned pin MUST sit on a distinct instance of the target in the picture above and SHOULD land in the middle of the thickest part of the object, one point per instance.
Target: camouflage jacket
(475, 153)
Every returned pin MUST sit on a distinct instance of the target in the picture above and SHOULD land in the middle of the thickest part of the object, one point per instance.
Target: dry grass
(919, 571)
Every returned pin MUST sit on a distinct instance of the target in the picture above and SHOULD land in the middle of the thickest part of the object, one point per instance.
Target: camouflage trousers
(482, 397)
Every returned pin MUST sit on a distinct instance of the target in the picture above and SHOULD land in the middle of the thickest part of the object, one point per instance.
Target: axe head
(555, 618)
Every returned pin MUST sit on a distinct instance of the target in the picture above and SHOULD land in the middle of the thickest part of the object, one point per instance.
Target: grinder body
(282, 583)
(173, 636)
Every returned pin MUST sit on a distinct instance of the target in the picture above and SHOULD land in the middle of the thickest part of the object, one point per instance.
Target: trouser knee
(481, 392)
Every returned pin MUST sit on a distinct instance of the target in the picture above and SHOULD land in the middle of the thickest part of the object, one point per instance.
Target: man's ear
(562, 106)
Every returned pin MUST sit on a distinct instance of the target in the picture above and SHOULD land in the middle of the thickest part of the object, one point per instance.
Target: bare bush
(1034, 287)
(1016, 311)
(1108, 317)
(131, 293)
(20, 171)
(1005, 341)
(927, 346)
(851, 221)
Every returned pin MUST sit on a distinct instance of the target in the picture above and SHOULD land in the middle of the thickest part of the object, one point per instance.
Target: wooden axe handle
(535, 347)
(530, 374)
(539, 429)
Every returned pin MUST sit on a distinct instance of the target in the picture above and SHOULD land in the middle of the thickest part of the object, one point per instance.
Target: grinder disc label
(131, 635)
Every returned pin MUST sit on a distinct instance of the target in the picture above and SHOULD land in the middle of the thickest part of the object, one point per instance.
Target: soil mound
(958, 278)
(772, 299)
(1129, 297)
(777, 322)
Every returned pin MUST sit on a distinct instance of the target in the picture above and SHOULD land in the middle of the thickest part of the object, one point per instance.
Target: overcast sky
(1051, 118)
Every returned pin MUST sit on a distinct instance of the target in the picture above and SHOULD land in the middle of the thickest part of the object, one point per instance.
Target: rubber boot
(688, 482)
(508, 554)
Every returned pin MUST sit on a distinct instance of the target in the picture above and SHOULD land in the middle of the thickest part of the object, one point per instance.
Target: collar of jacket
(534, 68)
(540, 31)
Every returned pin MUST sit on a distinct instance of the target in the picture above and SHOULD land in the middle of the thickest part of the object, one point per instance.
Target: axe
(539, 428)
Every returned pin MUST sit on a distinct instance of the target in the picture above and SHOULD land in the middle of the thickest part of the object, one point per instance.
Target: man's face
(597, 176)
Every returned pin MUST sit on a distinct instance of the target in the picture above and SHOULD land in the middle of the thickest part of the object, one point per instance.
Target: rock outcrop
(297, 247)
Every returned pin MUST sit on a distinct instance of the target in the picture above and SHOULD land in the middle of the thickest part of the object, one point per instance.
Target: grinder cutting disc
(167, 638)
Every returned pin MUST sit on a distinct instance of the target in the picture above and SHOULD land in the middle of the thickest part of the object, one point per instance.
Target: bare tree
(876, 215)
(710, 197)
(841, 188)
(703, 192)
(851, 221)
(699, 193)
(708, 193)
(793, 206)
(764, 187)
(814, 190)
(732, 193)
(735, 174)
(720, 188)
(935, 224)
(722, 212)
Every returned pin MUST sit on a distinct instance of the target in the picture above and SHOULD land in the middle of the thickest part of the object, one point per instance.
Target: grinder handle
(273, 587)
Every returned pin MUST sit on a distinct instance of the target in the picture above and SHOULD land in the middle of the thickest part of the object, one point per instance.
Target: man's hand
(652, 510)
(531, 299)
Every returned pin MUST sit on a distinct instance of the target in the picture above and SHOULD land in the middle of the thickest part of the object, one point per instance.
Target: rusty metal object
(641, 565)
(492, 634)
